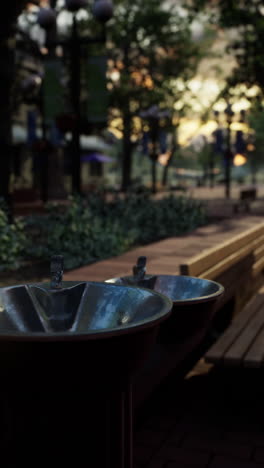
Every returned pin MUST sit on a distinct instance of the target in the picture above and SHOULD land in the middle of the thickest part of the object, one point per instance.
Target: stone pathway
(209, 419)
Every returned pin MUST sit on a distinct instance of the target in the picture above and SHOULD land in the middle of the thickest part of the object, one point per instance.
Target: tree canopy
(245, 22)
(150, 47)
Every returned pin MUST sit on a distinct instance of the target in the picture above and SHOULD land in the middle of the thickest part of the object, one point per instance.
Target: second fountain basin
(193, 300)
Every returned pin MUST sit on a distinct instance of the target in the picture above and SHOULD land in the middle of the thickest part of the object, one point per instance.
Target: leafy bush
(77, 233)
(12, 242)
(90, 229)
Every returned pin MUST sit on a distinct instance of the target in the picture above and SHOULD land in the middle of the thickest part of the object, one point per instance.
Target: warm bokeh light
(220, 105)
(208, 128)
(117, 133)
(239, 160)
(187, 130)
(164, 158)
(253, 91)
(148, 82)
(251, 147)
(239, 126)
(115, 75)
(44, 50)
(190, 129)
(137, 124)
(242, 104)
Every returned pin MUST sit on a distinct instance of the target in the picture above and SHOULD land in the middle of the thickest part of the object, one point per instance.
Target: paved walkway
(209, 419)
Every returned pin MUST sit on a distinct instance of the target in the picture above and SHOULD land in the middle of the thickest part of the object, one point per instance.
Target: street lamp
(153, 115)
(228, 151)
(102, 11)
(251, 148)
(227, 146)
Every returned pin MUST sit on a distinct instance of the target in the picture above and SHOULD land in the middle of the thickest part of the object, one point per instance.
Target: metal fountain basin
(180, 289)
(79, 310)
(82, 332)
(193, 300)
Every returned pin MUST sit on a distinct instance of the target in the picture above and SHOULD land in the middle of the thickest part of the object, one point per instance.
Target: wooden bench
(246, 196)
(238, 264)
(242, 344)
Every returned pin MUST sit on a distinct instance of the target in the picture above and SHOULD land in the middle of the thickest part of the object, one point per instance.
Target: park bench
(241, 344)
(238, 264)
(246, 197)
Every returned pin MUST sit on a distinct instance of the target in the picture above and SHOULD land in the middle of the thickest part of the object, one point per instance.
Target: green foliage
(90, 229)
(77, 233)
(151, 48)
(150, 41)
(256, 123)
(12, 242)
(154, 220)
(247, 18)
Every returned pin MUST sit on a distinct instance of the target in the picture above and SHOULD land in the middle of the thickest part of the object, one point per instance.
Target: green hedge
(90, 229)
(77, 233)
(12, 242)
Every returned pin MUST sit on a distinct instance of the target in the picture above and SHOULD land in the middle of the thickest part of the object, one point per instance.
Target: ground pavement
(207, 418)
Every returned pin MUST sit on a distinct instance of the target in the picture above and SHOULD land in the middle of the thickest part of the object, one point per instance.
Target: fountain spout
(139, 269)
(56, 271)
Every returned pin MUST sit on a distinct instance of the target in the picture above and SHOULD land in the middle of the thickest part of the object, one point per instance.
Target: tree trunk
(165, 171)
(7, 50)
(126, 154)
(166, 168)
(253, 170)
(6, 79)
(154, 173)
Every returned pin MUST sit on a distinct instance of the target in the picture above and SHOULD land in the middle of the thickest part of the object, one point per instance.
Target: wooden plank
(217, 351)
(259, 250)
(241, 345)
(235, 273)
(209, 257)
(226, 263)
(258, 267)
(257, 282)
(255, 355)
(234, 258)
(237, 283)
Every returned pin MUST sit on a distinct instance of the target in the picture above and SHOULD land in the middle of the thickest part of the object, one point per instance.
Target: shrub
(12, 242)
(77, 233)
(90, 229)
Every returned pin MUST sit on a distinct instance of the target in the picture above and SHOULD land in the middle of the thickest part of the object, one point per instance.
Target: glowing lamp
(239, 160)
(250, 147)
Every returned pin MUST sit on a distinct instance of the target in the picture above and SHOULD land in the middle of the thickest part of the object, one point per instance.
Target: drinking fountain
(193, 300)
(68, 351)
(180, 336)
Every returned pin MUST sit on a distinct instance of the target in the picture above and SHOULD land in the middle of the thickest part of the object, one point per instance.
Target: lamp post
(153, 116)
(228, 155)
(227, 152)
(251, 149)
(102, 11)
(227, 146)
